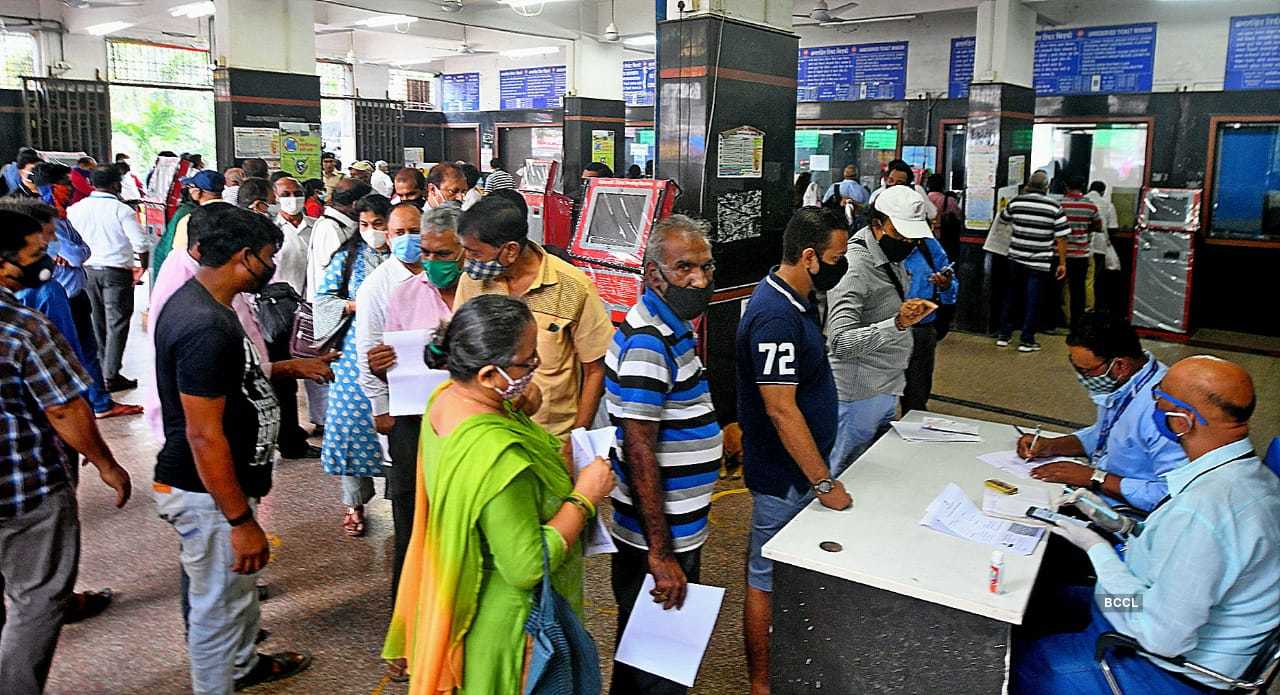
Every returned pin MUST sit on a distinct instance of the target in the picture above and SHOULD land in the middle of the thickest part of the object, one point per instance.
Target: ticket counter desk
(898, 608)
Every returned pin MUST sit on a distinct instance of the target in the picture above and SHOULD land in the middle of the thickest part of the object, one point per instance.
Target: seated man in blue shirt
(786, 406)
(1202, 567)
(1127, 456)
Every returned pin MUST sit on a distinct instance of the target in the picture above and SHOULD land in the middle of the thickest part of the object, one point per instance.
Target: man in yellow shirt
(574, 330)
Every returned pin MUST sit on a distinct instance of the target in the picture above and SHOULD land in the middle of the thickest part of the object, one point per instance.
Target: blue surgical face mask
(407, 248)
(1161, 417)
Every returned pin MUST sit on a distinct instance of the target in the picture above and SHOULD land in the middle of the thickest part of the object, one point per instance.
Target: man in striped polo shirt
(667, 455)
(1084, 218)
(1039, 229)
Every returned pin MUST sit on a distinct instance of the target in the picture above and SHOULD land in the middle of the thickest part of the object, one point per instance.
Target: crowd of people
(262, 284)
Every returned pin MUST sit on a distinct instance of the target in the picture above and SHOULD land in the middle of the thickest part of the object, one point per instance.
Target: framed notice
(1253, 53)
(256, 142)
(740, 153)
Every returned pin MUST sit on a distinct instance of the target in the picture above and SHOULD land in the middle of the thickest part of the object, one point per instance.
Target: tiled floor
(331, 592)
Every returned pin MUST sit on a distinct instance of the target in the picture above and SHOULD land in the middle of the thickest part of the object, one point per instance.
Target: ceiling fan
(821, 14)
(466, 48)
(93, 4)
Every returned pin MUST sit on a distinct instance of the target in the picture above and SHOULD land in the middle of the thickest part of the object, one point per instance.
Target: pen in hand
(1034, 440)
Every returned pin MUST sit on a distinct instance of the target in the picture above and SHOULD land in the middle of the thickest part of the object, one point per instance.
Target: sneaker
(1029, 347)
(1002, 342)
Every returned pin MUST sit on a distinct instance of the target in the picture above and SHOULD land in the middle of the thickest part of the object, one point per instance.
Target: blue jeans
(768, 515)
(1023, 300)
(1062, 663)
(861, 424)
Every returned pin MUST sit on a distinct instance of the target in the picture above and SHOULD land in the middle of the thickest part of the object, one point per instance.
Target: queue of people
(487, 512)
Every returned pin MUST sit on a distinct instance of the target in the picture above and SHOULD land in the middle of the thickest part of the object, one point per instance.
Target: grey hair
(656, 250)
(442, 218)
(1039, 181)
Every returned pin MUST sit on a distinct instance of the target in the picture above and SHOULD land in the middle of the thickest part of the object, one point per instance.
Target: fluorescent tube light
(107, 28)
(386, 20)
(193, 10)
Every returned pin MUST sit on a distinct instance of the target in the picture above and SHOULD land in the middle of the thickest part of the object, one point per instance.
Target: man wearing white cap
(869, 318)
(381, 180)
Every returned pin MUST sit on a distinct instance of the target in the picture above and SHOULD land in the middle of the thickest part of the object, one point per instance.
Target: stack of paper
(1013, 464)
(952, 513)
(587, 445)
(670, 643)
(410, 382)
(917, 432)
(942, 424)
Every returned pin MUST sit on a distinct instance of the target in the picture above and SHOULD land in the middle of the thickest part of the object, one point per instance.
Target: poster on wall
(853, 72)
(961, 73)
(740, 153)
(979, 208)
(1094, 60)
(461, 91)
(602, 146)
(300, 149)
(413, 156)
(256, 142)
(532, 88)
(639, 81)
(1018, 169)
(1253, 53)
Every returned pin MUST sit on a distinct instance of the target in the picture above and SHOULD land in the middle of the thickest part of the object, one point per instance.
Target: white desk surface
(886, 547)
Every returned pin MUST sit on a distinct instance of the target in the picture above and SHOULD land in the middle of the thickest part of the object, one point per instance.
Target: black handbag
(303, 342)
(277, 305)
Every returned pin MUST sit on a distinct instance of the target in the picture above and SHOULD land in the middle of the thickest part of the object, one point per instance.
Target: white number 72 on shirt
(781, 356)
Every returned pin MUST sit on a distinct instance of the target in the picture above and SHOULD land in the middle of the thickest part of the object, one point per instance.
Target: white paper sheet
(916, 432)
(953, 513)
(1014, 507)
(670, 643)
(1013, 464)
(942, 424)
(410, 381)
(587, 445)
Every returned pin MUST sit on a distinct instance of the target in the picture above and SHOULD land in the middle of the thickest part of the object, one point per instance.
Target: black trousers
(1077, 276)
(292, 439)
(919, 386)
(1100, 303)
(629, 567)
(402, 486)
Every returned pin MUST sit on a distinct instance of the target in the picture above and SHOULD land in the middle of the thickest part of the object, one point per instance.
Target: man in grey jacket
(868, 320)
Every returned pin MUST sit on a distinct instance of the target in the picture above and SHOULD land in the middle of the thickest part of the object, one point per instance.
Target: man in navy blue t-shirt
(787, 405)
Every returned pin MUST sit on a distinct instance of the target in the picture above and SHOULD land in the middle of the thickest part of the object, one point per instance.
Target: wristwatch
(824, 486)
(1097, 479)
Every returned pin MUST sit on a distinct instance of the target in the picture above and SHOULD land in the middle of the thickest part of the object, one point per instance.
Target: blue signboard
(639, 81)
(1253, 53)
(961, 67)
(1095, 60)
(461, 91)
(849, 73)
(532, 88)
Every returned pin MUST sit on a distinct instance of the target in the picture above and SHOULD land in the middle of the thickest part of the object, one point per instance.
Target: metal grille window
(17, 59)
(411, 87)
(335, 79)
(143, 62)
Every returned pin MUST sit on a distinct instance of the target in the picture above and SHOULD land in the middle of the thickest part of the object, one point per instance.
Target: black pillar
(259, 99)
(583, 116)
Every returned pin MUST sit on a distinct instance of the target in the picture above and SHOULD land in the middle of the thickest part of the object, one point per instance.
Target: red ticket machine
(613, 230)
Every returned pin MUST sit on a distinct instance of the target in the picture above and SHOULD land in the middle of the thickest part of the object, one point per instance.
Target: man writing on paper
(668, 439)
(786, 406)
(1203, 566)
(1128, 458)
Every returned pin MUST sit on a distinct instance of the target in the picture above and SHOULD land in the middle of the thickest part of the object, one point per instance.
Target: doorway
(462, 144)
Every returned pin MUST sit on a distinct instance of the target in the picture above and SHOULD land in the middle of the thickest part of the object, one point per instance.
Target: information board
(461, 91)
(853, 72)
(1253, 53)
(961, 73)
(300, 149)
(532, 88)
(1095, 59)
(639, 81)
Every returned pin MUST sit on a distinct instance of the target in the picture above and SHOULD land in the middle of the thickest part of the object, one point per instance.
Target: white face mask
(376, 239)
(291, 205)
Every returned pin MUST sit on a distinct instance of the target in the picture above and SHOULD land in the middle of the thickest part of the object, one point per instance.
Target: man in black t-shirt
(220, 423)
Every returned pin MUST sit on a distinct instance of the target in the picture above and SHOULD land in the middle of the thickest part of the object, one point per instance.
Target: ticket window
(1114, 153)
(825, 151)
(640, 146)
(1246, 182)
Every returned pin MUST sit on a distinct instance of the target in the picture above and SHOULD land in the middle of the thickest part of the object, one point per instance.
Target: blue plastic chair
(1272, 459)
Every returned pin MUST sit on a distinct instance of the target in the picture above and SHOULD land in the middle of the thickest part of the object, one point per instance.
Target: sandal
(398, 670)
(274, 667)
(87, 604)
(119, 409)
(353, 521)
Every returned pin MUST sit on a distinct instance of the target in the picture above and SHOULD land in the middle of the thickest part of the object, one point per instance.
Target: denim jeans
(861, 424)
(224, 616)
(1022, 301)
(768, 515)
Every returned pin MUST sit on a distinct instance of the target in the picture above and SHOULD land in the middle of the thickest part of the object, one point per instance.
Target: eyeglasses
(1096, 370)
(533, 363)
(1160, 395)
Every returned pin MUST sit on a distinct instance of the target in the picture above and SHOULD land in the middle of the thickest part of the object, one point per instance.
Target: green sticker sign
(886, 139)
(807, 139)
(644, 137)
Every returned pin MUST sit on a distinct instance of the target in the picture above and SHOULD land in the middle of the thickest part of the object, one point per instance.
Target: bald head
(1221, 390)
(1039, 181)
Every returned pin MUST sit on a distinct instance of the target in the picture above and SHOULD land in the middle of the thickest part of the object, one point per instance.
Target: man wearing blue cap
(204, 188)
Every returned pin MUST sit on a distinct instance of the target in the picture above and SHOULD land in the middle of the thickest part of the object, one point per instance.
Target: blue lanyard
(1100, 449)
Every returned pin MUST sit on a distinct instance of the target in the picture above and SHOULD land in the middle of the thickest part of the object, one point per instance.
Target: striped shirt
(1036, 220)
(653, 373)
(1081, 214)
(498, 180)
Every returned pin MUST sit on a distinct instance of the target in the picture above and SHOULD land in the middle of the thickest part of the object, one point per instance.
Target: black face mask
(37, 273)
(260, 282)
(687, 303)
(896, 250)
(829, 274)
